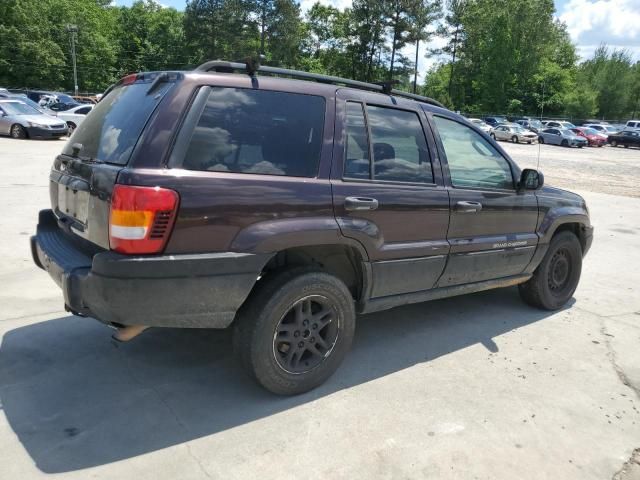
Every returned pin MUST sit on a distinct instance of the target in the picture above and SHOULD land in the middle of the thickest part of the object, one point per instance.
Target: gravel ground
(606, 170)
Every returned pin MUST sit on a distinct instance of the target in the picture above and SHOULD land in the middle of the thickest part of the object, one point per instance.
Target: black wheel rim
(306, 334)
(560, 270)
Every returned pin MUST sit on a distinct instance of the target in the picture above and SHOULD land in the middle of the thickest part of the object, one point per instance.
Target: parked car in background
(594, 138)
(75, 116)
(563, 124)
(23, 98)
(632, 125)
(513, 132)
(482, 125)
(23, 121)
(4, 90)
(531, 124)
(626, 138)
(603, 127)
(495, 121)
(561, 136)
(86, 100)
(58, 102)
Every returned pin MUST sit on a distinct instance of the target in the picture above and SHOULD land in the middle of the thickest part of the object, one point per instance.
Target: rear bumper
(35, 132)
(203, 290)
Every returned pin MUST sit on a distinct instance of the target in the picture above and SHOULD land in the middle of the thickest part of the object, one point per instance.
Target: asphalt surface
(479, 386)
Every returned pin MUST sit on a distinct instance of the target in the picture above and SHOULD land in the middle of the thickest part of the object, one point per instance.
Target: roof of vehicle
(252, 66)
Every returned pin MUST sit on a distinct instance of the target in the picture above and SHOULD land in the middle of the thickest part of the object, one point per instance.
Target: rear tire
(492, 135)
(294, 330)
(556, 278)
(18, 132)
(614, 143)
(540, 140)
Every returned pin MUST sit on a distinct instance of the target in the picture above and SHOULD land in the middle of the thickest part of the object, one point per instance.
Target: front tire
(514, 139)
(555, 280)
(295, 329)
(18, 132)
(564, 143)
(492, 135)
(614, 143)
(541, 140)
(70, 128)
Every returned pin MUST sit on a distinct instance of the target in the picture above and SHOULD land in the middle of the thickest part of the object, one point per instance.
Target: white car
(603, 128)
(74, 116)
(633, 125)
(558, 124)
(480, 124)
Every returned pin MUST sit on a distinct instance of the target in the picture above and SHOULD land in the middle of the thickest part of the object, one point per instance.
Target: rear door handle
(360, 203)
(468, 207)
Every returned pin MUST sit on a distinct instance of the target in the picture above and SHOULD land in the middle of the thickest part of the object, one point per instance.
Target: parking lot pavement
(479, 386)
(612, 170)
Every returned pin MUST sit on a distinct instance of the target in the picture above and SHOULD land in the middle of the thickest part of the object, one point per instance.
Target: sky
(589, 22)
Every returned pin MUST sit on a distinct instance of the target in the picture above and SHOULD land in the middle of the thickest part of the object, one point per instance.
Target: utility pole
(73, 31)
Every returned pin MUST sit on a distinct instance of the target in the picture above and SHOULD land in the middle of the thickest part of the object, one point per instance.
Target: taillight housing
(141, 218)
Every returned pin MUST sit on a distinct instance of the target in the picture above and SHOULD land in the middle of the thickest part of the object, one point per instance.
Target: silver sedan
(562, 136)
(23, 121)
(514, 133)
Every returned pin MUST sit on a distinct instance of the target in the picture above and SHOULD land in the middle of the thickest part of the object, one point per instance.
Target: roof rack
(252, 67)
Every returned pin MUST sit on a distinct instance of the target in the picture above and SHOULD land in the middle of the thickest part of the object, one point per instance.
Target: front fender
(555, 217)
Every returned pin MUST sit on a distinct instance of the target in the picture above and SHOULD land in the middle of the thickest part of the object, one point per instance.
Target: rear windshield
(110, 131)
(258, 131)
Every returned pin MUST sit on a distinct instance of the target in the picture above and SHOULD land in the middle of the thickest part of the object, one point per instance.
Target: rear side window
(258, 131)
(397, 141)
(110, 133)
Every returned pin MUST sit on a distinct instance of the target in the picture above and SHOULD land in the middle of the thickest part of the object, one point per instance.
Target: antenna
(541, 112)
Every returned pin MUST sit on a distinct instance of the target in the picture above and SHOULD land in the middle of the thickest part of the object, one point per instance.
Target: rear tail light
(141, 218)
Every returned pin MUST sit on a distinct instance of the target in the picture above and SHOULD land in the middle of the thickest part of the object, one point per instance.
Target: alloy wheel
(306, 334)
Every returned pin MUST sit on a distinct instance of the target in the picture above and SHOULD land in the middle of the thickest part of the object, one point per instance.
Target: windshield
(590, 131)
(62, 98)
(112, 130)
(28, 101)
(19, 108)
(535, 123)
(518, 129)
(566, 132)
(611, 129)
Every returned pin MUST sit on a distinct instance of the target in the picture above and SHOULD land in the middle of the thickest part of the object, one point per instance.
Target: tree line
(498, 55)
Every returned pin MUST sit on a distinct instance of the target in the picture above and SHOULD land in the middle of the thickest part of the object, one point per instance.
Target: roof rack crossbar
(229, 67)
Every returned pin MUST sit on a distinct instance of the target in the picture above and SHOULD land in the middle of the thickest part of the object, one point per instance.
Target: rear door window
(397, 141)
(258, 131)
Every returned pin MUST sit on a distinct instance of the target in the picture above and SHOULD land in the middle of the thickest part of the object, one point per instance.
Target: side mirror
(530, 179)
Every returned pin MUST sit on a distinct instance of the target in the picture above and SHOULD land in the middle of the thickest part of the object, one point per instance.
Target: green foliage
(503, 56)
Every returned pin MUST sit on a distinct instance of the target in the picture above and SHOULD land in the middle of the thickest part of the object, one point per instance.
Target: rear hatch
(84, 174)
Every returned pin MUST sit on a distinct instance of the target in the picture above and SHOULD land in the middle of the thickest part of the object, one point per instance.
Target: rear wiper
(75, 154)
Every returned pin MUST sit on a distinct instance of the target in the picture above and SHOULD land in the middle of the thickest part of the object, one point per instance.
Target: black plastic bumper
(203, 290)
(36, 132)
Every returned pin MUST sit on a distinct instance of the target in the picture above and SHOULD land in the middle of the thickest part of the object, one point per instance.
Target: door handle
(360, 203)
(468, 207)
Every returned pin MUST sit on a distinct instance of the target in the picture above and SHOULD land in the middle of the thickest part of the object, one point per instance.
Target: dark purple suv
(223, 197)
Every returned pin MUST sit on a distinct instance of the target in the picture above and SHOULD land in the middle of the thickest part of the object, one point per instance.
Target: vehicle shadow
(76, 399)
